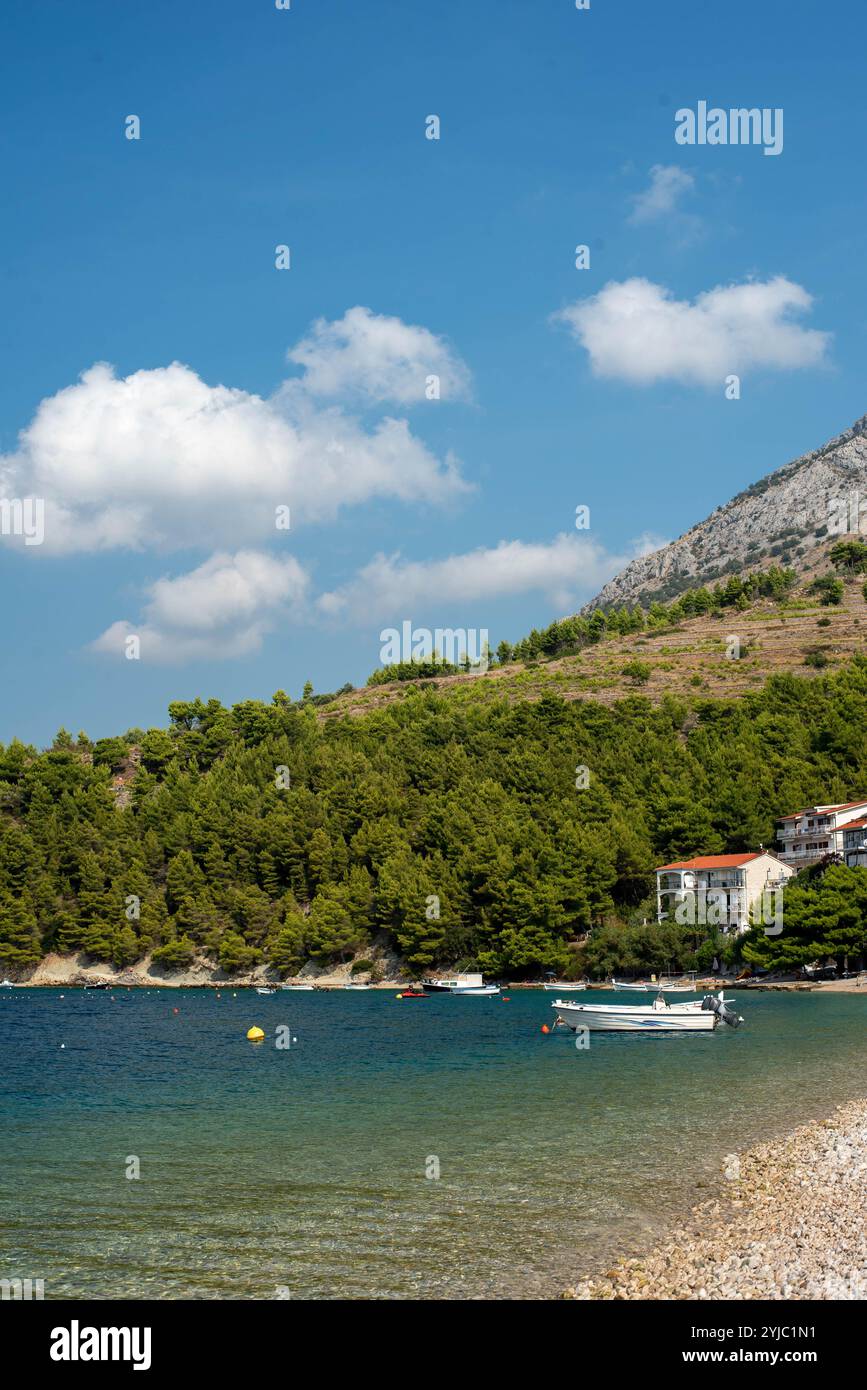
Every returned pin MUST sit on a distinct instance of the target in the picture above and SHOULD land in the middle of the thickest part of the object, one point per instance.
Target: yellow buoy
(255, 1035)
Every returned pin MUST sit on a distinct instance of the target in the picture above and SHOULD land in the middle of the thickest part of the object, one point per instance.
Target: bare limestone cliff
(785, 518)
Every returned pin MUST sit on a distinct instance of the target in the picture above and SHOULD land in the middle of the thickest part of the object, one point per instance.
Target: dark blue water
(301, 1172)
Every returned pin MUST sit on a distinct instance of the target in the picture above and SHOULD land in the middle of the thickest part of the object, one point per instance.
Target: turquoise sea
(301, 1172)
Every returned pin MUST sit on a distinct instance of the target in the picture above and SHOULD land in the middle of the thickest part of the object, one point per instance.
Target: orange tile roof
(714, 861)
(841, 806)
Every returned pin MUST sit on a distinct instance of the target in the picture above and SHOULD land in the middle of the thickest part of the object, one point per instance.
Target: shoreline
(55, 971)
(787, 1224)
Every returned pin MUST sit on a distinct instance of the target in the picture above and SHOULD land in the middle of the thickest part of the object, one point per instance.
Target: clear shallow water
(304, 1169)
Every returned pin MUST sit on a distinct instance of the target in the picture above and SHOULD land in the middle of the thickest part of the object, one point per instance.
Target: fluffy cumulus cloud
(225, 607)
(668, 184)
(379, 359)
(162, 459)
(221, 610)
(639, 332)
(564, 569)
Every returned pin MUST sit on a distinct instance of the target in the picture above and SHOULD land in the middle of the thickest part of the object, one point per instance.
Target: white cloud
(220, 610)
(379, 358)
(161, 459)
(667, 183)
(226, 607)
(391, 587)
(637, 331)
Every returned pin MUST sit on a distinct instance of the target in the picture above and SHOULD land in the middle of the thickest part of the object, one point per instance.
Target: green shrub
(176, 954)
(849, 556)
(639, 672)
(829, 589)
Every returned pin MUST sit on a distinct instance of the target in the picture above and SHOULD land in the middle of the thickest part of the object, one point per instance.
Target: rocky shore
(71, 971)
(75, 970)
(789, 1223)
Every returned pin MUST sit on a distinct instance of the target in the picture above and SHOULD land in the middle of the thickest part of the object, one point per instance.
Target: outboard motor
(715, 1003)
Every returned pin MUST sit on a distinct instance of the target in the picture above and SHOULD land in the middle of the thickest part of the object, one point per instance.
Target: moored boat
(682, 986)
(698, 1016)
(566, 986)
(265, 989)
(467, 984)
(448, 984)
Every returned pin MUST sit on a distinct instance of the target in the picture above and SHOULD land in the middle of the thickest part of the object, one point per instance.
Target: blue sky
(453, 257)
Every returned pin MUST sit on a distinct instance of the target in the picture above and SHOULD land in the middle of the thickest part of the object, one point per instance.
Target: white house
(721, 889)
(807, 836)
(855, 843)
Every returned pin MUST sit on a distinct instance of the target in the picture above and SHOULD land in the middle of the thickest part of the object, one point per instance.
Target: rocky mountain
(787, 518)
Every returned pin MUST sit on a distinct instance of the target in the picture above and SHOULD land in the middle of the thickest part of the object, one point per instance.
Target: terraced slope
(800, 637)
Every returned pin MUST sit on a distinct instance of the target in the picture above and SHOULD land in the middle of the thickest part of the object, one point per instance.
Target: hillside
(799, 636)
(444, 825)
(785, 516)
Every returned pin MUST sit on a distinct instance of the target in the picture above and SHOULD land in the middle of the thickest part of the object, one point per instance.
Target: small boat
(310, 987)
(448, 984)
(413, 994)
(567, 987)
(624, 985)
(660, 1017)
(682, 986)
(265, 989)
(353, 986)
(6, 984)
(471, 984)
(100, 984)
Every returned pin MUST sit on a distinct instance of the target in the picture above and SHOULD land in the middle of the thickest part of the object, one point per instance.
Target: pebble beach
(790, 1222)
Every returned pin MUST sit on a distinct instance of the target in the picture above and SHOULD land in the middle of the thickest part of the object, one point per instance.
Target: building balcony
(691, 882)
(815, 832)
(799, 858)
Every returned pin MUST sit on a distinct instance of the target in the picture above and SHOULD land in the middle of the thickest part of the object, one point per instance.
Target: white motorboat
(450, 984)
(6, 984)
(565, 987)
(310, 987)
(472, 985)
(681, 986)
(698, 1016)
(353, 986)
(265, 989)
(623, 985)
